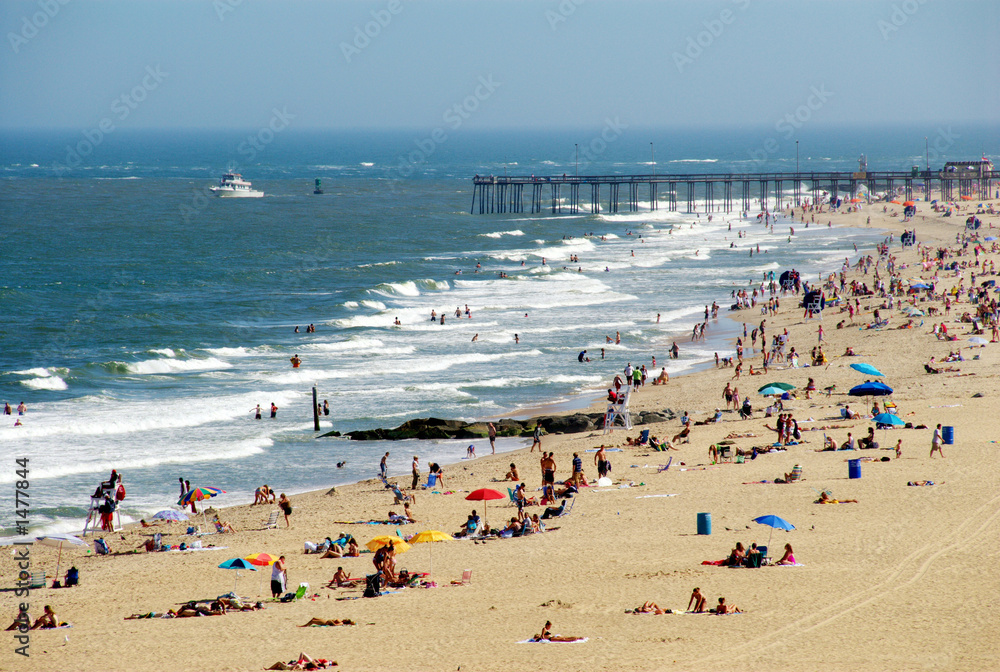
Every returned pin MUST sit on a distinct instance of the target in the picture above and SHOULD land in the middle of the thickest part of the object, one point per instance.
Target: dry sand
(904, 580)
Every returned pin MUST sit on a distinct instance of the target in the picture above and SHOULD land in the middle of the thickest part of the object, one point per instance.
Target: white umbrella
(58, 541)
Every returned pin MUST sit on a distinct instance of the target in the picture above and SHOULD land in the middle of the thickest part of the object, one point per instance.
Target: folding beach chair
(465, 580)
(513, 499)
(272, 522)
(665, 467)
(644, 437)
(566, 511)
(725, 454)
(37, 580)
(400, 497)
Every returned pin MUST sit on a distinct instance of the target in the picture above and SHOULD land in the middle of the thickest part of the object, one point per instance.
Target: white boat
(232, 185)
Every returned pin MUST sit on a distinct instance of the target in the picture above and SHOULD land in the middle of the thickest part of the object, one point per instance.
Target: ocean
(143, 321)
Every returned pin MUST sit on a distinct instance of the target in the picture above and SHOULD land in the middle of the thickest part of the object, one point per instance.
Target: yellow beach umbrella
(430, 536)
(378, 542)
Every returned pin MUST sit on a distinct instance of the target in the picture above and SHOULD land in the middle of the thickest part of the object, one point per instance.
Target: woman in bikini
(546, 635)
(788, 558)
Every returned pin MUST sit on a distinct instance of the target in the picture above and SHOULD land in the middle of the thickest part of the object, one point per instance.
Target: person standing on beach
(382, 465)
(286, 508)
(577, 469)
(416, 473)
(601, 460)
(279, 576)
(548, 475)
(936, 441)
(187, 489)
(492, 431)
(537, 438)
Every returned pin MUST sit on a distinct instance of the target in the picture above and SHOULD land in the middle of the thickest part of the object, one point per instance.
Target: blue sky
(503, 63)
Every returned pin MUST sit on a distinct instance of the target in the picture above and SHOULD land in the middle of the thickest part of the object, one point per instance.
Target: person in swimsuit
(788, 558)
(286, 508)
(698, 600)
(295, 362)
(724, 608)
(546, 635)
(274, 410)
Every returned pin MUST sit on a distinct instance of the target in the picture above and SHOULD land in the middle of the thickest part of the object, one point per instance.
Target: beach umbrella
(774, 522)
(991, 238)
(198, 495)
(237, 564)
(59, 541)
(771, 391)
(261, 560)
(428, 537)
(384, 540)
(978, 340)
(866, 369)
(895, 201)
(870, 389)
(908, 203)
(170, 514)
(914, 312)
(855, 200)
(484, 495)
(784, 387)
(888, 419)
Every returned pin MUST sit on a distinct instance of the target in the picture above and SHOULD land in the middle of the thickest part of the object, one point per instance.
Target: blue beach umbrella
(867, 369)
(237, 564)
(920, 285)
(870, 389)
(888, 419)
(990, 238)
(774, 522)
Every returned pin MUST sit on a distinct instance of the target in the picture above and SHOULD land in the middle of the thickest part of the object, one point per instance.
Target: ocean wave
(172, 365)
(46, 383)
(367, 164)
(499, 234)
(693, 161)
(374, 305)
(407, 288)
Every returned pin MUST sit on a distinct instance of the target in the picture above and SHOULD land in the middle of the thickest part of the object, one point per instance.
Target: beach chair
(665, 467)
(644, 437)
(567, 510)
(510, 495)
(764, 560)
(157, 542)
(37, 580)
(301, 592)
(465, 580)
(725, 454)
(272, 521)
(431, 481)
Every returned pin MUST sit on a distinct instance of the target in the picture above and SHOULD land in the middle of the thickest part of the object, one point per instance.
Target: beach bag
(101, 547)
(373, 585)
(288, 597)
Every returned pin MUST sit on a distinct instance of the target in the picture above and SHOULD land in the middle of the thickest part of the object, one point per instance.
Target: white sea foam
(350, 304)
(408, 288)
(171, 365)
(374, 305)
(367, 164)
(45, 383)
(500, 234)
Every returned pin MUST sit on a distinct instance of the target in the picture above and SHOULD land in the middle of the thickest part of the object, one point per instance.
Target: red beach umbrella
(484, 495)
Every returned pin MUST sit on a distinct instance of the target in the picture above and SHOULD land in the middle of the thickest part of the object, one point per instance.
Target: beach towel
(649, 496)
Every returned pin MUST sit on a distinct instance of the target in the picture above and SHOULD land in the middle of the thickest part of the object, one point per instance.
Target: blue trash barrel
(704, 523)
(854, 468)
(948, 435)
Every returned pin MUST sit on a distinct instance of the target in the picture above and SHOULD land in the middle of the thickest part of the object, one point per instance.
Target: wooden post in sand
(315, 410)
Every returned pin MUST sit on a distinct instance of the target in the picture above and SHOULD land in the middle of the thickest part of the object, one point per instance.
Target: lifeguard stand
(617, 411)
(94, 516)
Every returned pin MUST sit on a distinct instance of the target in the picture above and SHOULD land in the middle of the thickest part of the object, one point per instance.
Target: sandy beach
(904, 579)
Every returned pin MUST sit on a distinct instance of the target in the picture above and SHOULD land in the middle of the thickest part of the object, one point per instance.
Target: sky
(497, 63)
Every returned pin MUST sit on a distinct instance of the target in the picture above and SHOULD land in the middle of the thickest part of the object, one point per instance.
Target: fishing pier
(721, 192)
